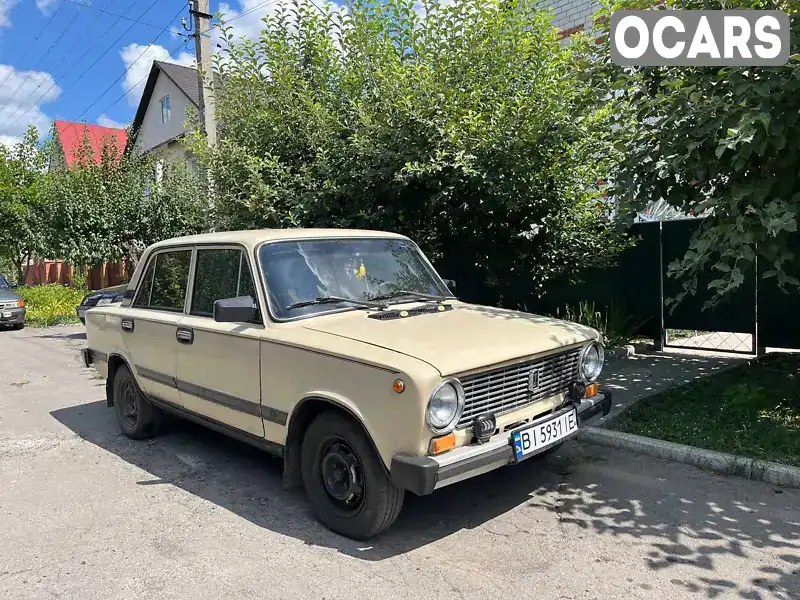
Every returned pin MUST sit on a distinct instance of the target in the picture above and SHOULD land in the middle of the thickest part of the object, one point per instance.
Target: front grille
(505, 389)
(8, 304)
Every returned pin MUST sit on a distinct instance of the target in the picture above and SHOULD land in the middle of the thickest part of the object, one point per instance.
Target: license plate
(535, 438)
(6, 315)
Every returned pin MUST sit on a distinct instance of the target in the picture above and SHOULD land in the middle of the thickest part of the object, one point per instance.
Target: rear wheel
(347, 485)
(137, 417)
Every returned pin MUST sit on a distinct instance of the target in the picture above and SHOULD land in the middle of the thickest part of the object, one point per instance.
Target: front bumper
(16, 316)
(423, 474)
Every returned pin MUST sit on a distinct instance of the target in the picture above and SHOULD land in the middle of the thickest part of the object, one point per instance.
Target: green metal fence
(757, 315)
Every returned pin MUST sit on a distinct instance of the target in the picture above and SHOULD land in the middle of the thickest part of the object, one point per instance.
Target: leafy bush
(617, 327)
(719, 141)
(50, 304)
(468, 126)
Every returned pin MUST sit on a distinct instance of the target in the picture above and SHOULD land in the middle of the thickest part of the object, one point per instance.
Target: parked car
(12, 307)
(109, 295)
(345, 353)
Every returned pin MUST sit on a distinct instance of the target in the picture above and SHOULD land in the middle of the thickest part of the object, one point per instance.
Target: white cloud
(105, 121)
(5, 12)
(249, 24)
(23, 108)
(46, 6)
(138, 68)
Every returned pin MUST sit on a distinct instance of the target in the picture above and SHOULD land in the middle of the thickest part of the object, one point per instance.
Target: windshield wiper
(334, 300)
(399, 293)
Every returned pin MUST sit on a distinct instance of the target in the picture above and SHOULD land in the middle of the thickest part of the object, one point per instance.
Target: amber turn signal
(398, 386)
(21, 303)
(443, 444)
(591, 390)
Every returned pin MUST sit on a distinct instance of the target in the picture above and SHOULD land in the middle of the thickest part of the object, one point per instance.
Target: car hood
(459, 340)
(6, 295)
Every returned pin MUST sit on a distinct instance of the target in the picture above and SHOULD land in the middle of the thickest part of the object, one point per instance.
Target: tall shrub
(470, 127)
(719, 141)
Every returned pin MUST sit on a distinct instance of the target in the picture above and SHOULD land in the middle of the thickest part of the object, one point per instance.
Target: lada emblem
(533, 380)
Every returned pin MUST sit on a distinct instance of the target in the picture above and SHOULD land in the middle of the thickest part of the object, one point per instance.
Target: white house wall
(153, 132)
(571, 13)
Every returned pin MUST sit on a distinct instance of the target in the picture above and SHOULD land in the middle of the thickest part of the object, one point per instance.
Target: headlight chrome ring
(598, 361)
(439, 428)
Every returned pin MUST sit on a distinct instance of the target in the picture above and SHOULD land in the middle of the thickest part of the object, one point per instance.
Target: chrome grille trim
(505, 389)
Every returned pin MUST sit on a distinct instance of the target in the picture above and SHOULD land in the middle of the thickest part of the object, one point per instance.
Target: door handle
(126, 324)
(184, 335)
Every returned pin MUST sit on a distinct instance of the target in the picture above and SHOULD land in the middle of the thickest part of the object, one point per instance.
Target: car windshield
(319, 275)
(4, 283)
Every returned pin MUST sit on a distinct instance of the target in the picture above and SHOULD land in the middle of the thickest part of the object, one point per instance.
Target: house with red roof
(74, 141)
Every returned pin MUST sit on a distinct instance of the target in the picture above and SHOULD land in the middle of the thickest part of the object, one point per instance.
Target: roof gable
(184, 78)
(71, 136)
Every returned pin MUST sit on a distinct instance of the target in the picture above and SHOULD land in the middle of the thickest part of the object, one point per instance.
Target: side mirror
(234, 310)
(451, 284)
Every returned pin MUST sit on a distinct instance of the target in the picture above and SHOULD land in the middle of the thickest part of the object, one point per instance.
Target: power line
(28, 76)
(255, 8)
(113, 83)
(138, 83)
(112, 45)
(36, 39)
(106, 12)
(64, 55)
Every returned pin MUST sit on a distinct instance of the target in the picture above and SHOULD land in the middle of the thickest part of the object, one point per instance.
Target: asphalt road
(86, 513)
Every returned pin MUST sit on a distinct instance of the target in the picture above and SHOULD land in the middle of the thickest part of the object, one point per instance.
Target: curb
(707, 460)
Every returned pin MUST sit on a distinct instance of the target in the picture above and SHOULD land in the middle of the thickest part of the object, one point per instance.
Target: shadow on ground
(642, 375)
(77, 335)
(580, 486)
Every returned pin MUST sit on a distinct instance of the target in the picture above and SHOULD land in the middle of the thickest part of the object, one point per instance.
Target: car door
(150, 324)
(218, 366)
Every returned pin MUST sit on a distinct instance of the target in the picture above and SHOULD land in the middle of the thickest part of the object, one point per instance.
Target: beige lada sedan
(345, 353)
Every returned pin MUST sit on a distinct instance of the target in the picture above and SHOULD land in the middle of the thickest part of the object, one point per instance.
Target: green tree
(112, 208)
(21, 215)
(469, 127)
(722, 142)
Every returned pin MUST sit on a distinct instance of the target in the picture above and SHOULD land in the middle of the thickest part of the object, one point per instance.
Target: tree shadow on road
(632, 378)
(587, 492)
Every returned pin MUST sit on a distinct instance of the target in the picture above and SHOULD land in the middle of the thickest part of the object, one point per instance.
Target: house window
(165, 109)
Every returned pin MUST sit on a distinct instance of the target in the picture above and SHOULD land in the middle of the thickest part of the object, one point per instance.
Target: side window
(163, 286)
(220, 274)
(145, 286)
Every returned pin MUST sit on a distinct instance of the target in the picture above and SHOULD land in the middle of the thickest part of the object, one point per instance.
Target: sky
(69, 60)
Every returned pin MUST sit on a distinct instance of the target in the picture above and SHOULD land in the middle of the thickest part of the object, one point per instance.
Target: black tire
(374, 502)
(137, 417)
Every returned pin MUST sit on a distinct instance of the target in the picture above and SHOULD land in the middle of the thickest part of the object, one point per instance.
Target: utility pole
(205, 74)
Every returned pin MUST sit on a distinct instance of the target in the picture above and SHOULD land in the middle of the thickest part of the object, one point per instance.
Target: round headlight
(445, 406)
(592, 362)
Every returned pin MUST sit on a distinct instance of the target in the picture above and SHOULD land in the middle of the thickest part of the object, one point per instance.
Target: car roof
(253, 237)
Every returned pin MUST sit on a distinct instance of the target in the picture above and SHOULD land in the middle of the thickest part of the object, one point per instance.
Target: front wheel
(137, 417)
(347, 485)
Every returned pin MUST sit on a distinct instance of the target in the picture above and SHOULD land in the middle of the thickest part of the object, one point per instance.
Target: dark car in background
(109, 295)
(12, 307)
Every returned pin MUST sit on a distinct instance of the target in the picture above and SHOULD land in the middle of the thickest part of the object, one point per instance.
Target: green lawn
(752, 410)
